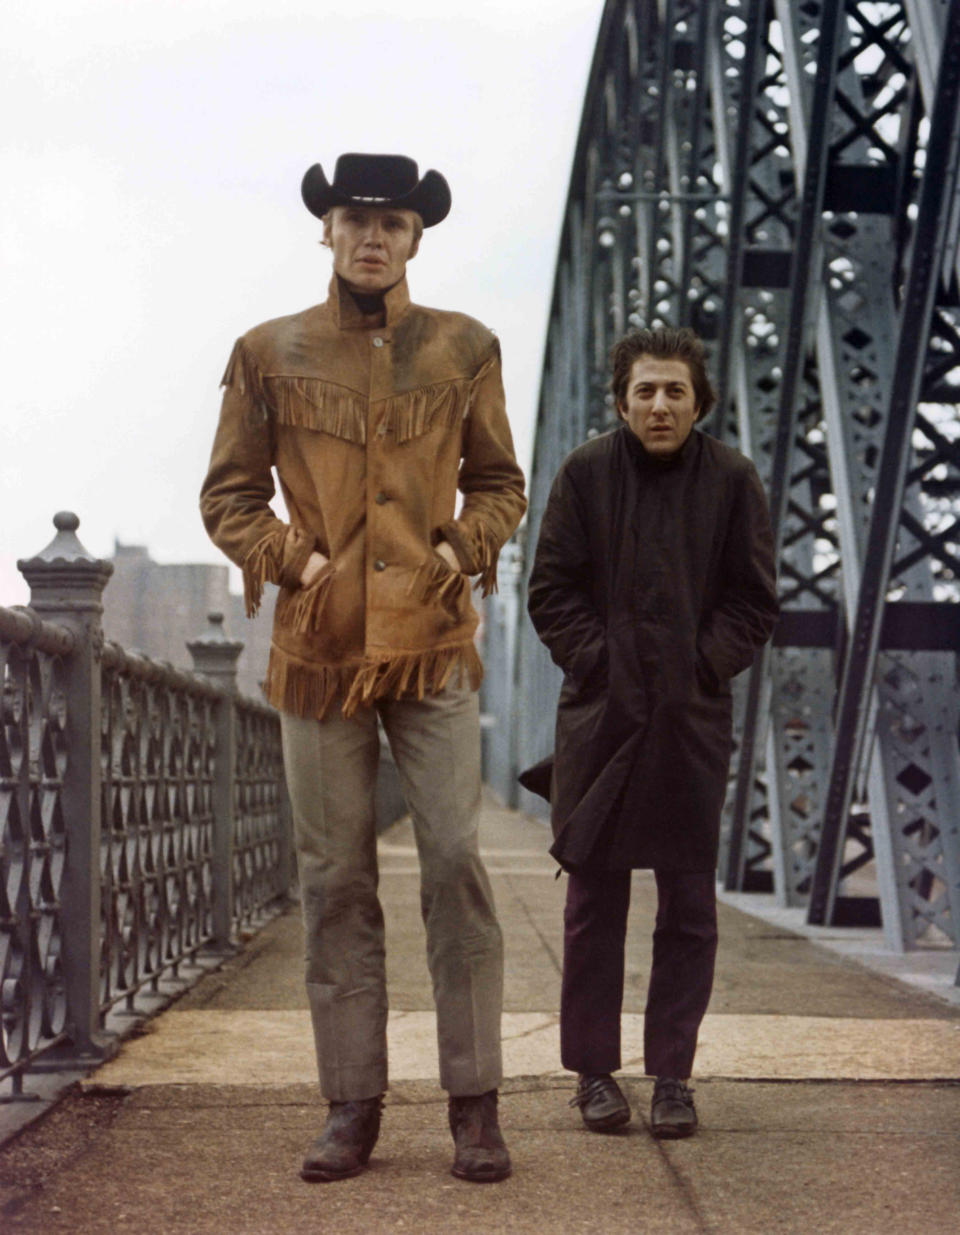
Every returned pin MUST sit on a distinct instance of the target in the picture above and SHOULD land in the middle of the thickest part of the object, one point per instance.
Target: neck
(369, 303)
(365, 308)
(651, 457)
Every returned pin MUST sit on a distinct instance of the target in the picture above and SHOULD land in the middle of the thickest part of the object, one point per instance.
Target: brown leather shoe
(603, 1108)
(672, 1113)
(480, 1153)
(346, 1143)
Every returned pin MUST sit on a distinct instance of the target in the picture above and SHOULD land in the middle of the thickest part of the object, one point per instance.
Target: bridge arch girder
(783, 178)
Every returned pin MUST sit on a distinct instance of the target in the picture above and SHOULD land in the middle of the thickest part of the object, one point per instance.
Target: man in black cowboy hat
(374, 412)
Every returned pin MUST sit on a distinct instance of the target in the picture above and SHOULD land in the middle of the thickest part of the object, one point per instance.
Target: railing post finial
(65, 577)
(215, 656)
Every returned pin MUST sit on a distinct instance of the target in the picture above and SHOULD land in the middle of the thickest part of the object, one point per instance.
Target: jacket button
(377, 341)
(379, 564)
(381, 499)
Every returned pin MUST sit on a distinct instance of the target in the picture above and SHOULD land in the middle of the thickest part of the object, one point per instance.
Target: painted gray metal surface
(736, 172)
(144, 818)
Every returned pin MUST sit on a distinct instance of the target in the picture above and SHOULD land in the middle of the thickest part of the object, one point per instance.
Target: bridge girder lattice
(781, 175)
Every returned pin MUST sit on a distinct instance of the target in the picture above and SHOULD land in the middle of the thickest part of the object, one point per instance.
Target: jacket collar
(347, 315)
(659, 463)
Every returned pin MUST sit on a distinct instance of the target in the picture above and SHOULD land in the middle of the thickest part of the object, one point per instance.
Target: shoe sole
(673, 1132)
(491, 1177)
(609, 1123)
(323, 1175)
(329, 1177)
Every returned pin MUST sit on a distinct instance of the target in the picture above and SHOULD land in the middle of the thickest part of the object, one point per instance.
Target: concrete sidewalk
(829, 1096)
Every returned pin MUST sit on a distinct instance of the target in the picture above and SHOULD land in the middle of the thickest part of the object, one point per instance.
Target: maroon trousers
(681, 976)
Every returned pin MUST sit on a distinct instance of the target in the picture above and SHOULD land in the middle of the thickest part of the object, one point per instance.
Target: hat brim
(430, 198)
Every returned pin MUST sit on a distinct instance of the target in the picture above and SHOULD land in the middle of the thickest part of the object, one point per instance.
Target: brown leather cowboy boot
(480, 1153)
(344, 1147)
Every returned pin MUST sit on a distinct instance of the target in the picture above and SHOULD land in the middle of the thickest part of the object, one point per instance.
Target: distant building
(157, 608)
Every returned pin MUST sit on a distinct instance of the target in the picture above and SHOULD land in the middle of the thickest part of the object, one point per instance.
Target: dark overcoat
(653, 585)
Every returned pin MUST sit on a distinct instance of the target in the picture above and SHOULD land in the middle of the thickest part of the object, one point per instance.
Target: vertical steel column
(689, 183)
(740, 112)
(802, 267)
(736, 176)
(852, 349)
(931, 236)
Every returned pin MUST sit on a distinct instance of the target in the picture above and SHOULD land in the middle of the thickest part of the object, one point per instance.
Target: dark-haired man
(374, 411)
(653, 585)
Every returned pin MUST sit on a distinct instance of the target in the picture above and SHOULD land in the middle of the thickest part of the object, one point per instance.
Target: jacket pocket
(300, 609)
(435, 582)
(589, 669)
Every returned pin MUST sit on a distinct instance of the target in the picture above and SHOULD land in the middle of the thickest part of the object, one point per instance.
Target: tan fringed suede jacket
(371, 429)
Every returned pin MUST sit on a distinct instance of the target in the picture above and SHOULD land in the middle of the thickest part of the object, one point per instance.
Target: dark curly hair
(664, 343)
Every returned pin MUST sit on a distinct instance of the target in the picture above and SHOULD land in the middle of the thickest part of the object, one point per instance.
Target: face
(659, 406)
(371, 245)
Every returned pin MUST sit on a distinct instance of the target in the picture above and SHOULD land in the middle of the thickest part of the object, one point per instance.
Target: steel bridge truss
(781, 175)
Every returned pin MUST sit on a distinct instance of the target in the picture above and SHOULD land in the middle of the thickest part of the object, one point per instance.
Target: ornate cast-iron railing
(144, 822)
(156, 839)
(261, 855)
(32, 851)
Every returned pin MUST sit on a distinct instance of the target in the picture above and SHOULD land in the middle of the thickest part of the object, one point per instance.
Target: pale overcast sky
(151, 159)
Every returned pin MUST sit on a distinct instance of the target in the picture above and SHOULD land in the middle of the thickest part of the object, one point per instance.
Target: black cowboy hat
(377, 180)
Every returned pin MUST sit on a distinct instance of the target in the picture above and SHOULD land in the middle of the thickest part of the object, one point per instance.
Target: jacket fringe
(262, 565)
(303, 689)
(417, 673)
(477, 550)
(311, 690)
(243, 374)
(311, 601)
(488, 554)
(311, 403)
(434, 580)
(412, 414)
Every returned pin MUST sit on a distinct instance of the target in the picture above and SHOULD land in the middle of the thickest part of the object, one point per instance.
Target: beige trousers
(331, 769)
